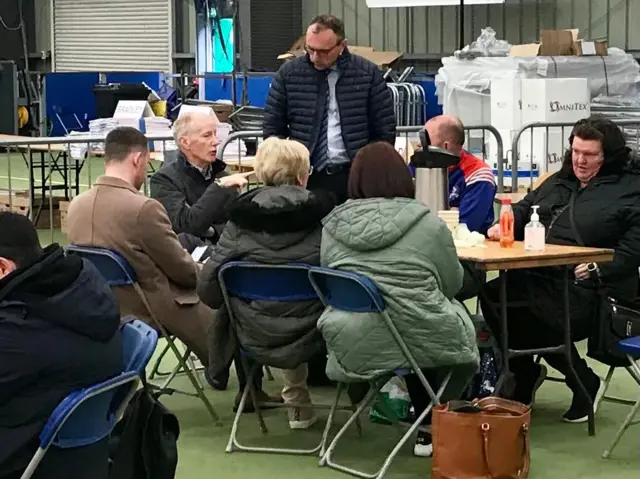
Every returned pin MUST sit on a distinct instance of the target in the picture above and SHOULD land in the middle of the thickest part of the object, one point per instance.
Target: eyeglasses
(320, 51)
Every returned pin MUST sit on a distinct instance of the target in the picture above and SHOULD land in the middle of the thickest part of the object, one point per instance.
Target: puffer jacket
(606, 214)
(272, 225)
(409, 254)
(297, 98)
(59, 333)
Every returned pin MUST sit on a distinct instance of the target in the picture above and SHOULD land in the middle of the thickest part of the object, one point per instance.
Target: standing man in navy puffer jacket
(332, 101)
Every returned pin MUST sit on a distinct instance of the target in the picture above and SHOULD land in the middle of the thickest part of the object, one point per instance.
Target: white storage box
(555, 100)
(506, 104)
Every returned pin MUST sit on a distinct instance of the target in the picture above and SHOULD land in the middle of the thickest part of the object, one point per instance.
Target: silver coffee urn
(432, 176)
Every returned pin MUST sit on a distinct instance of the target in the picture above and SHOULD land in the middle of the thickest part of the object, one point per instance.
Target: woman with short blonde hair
(282, 162)
(279, 223)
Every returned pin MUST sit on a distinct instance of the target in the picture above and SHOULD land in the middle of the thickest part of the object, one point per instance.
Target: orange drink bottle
(506, 224)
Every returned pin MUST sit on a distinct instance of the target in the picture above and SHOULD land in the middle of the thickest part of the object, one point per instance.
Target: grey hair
(184, 124)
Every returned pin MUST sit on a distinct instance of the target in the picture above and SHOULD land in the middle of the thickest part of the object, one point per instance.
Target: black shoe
(528, 384)
(579, 410)
(263, 397)
(357, 392)
(423, 446)
(219, 382)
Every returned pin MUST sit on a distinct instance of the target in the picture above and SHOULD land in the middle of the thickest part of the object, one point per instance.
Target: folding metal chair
(356, 293)
(156, 373)
(87, 416)
(187, 357)
(631, 347)
(261, 282)
(139, 341)
(118, 272)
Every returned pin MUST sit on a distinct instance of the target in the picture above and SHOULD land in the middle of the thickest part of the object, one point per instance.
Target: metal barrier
(37, 167)
(484, 141)
(410, 103)
(33, 169)
(242, 156)
(538, 148)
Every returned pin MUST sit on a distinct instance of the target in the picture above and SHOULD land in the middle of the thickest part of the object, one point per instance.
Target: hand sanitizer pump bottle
(534, 233)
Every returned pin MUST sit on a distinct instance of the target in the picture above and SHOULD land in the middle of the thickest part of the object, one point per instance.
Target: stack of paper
(233, 149)
(159, 126)
(101, 127)
(78, 151)
(127, 121)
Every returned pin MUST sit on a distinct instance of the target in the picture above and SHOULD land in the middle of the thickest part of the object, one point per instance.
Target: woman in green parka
(383, 233)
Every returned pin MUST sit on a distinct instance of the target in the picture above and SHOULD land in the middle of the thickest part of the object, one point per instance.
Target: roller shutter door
(112, 35)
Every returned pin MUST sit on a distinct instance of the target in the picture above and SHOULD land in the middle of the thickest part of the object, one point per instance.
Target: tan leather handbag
(483, 439)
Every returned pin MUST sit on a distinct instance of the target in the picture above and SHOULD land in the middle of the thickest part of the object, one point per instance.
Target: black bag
(612, 320)
(143, 444)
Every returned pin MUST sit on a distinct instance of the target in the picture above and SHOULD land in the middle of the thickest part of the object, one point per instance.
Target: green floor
(19, 173)
(559, 450)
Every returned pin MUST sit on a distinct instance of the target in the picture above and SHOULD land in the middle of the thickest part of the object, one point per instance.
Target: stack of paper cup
(450, 217)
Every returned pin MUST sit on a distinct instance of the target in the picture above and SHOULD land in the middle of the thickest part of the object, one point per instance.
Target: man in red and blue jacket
(472, 187)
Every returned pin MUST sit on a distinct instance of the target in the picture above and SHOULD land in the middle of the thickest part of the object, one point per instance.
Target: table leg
(67, 183)
(32, 181)
(568, 344)
(79, 167)
(78, 170)
(43, 178)
(506, 380)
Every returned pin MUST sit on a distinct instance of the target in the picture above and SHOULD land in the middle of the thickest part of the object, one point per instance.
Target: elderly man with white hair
(195, 188)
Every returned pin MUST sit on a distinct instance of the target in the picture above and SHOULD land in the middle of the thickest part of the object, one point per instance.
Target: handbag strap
(493, 404)
(526, 460)
(576, 233)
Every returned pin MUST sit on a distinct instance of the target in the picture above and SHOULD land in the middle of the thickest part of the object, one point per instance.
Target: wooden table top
(494, 258)
(242, 163)
(57, 148)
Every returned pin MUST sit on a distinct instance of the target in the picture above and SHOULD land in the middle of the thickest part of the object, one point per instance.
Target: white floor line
(26, 180)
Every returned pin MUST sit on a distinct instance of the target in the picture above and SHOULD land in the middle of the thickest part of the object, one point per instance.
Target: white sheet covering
(463, 86)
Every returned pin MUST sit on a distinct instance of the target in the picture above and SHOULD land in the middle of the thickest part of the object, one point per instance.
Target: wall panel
(434, 30)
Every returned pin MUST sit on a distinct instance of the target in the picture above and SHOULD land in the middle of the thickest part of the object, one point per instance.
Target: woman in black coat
(594, 200)
(279, 223)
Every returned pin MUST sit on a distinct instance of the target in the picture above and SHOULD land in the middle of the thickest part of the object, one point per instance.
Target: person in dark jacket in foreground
(195, 188)
(279, 223)
(332, 101)
(603, 178)
(59, 332)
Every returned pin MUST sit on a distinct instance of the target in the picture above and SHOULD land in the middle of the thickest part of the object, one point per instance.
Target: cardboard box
(506, 104)
(546, 151)
(560, 43)
(589, 48)
(405, 147)
(19, 203)
(555, 100)
(380, 58)
(471, 107)
(64, 208)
